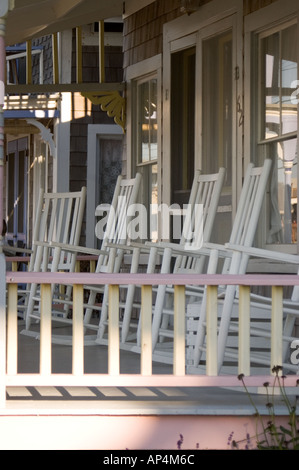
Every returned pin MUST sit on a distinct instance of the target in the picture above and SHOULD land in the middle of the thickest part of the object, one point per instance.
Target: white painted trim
(277, 12)
(145, 67)
(62, 129)
(46, 135)
(93, 132)
(207, 14)
(61, 164)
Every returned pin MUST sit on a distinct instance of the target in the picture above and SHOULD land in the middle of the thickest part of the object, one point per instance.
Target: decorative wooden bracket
(112, 103)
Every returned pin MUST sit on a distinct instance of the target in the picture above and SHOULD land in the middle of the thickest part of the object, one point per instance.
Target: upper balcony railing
(9, 375)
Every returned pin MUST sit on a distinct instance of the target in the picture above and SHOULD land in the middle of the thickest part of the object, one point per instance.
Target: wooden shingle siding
(249, 6)
(44, 43)
(143, 31)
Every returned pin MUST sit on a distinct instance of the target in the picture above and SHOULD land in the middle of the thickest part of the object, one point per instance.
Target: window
(147, 148)
(144, 137)
(277, 127)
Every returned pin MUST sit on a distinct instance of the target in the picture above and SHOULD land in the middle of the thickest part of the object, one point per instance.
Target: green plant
(274, 436)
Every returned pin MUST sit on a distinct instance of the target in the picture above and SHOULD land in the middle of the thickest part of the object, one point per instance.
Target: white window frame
(270, 17)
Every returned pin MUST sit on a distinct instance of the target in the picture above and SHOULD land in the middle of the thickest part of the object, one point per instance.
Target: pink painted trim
(2, 64)
(2, 92)
(1, 198)
(153, 279)
(26, 259)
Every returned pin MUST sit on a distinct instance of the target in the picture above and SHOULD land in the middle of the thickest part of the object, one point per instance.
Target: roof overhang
(29, 19)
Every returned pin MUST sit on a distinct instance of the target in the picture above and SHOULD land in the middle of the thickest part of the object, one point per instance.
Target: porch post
(5, 6)
(3, 12)
(2, 91)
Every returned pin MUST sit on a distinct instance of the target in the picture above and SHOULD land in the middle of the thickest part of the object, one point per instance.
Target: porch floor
(121, 401)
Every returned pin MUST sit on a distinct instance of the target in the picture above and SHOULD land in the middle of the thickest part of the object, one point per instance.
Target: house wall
(143, 30)
(143, 42)
(249, 6)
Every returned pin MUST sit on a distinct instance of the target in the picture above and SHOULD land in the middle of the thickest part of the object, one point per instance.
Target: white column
(61, 164)
(4, 7)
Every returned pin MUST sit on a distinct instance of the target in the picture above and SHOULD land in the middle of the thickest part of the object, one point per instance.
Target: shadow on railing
(178, 376)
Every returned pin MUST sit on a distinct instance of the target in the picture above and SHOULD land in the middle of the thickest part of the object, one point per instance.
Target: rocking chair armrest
(204, 250)
(78, 249)
(131, 246)
(13, 250)
(268, 254)
(176, 249)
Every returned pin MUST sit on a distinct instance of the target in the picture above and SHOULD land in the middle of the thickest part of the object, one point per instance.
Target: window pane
(271, 92)
(109, 168)
(217, 122)
(282, 226)
(217, 104)
(288, 79)
(147, 121)
(279, 76)
(278, 84)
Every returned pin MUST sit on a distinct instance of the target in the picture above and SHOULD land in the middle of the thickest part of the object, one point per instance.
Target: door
(182, 124)
(17, 185)
(205, 115)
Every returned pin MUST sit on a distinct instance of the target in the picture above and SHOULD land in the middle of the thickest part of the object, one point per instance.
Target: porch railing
(9, 375)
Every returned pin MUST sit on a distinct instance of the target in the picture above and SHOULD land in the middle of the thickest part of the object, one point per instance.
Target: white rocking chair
(243, 233)
(261, 357)
(244, 229)
(111, 229)
(59, 218)
(205, 194)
